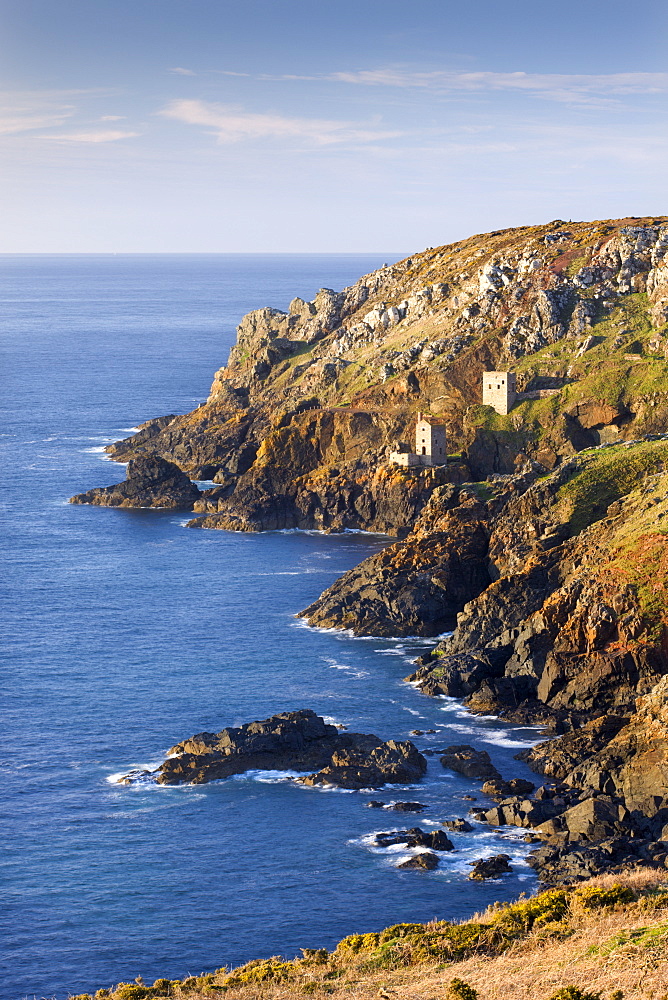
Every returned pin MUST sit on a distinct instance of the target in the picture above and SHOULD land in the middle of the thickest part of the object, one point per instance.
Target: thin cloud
(113, 118)
(26, 115)
(562, 87)
(30, 111)
(103, 135)
(232, 125)
(182, 71)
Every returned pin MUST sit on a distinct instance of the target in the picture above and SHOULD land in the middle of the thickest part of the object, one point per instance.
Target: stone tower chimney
(430, 441)
(498, 390)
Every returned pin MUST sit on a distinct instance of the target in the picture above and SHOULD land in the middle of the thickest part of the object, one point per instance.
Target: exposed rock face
(567, 627)
(358, 495)
(394, 762)
(631, 766)
(415, 587)
(295, 741)
(418, 586)
(151, 482)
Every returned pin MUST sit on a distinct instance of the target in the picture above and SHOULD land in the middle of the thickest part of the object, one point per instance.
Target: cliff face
(327, 389)
(418, 586)
(575, 618)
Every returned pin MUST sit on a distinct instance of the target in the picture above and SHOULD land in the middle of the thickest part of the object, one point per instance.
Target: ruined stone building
(430, 445)
(498, 390)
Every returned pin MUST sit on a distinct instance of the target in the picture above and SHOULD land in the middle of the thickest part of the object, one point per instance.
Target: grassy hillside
(607, 937)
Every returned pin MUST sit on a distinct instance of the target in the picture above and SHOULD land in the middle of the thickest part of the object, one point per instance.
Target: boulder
(457, 825)
(492, 867)
(470, 762)
(593, 819)
(151, 482)
(497, 788)
(425, 860)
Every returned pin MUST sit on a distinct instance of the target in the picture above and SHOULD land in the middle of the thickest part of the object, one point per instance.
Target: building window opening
(424, 450)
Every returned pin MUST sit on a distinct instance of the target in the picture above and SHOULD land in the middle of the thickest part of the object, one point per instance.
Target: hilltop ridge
(313, 400)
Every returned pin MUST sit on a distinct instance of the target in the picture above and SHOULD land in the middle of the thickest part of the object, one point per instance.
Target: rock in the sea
(394, 762)
(407, 807)
(151, 482)
(425, 860)
(500, 789)
(492, 867)
(458, 825)
(291, 741)
(435, 840)
(470, 762)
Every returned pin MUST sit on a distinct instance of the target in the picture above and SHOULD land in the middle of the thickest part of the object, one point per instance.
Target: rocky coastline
(541, 546)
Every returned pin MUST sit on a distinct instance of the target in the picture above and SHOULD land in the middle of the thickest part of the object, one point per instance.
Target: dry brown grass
(603, 950)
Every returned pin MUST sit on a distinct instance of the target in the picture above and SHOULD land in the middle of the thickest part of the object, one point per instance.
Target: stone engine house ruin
(430, 445)
(499, 391)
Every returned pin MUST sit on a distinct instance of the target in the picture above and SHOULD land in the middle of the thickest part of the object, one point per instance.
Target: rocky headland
(540, 546)
(151, 481)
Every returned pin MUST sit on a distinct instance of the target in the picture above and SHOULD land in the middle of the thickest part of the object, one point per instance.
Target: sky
(200, 126)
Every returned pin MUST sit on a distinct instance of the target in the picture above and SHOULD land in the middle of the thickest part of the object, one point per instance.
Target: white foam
(501, 740)
(346, 668)
(269, 777)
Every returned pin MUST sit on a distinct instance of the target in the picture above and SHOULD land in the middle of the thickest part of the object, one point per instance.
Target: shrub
(131, 991)
(593, 898)
(459, 990)
(574, 993)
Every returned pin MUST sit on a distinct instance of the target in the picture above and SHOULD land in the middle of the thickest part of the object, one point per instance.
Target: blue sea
(126, 632)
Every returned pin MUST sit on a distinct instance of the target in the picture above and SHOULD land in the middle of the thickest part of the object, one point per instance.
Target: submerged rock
(290, 741)
(407, 807)
(151, 482)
